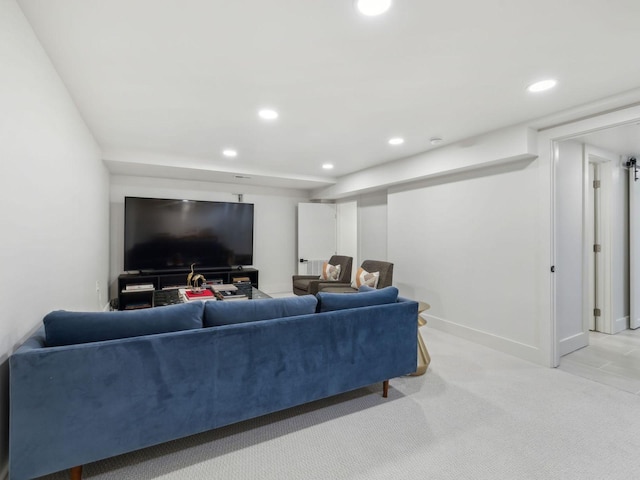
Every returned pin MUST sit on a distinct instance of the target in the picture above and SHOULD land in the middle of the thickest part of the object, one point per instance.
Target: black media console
(129, 299)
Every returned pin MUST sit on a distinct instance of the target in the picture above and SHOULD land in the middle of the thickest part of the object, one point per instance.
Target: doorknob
(302, 260)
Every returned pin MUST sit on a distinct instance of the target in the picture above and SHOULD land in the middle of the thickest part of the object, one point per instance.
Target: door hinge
(596, 184)
(596, 312)
(597, 248)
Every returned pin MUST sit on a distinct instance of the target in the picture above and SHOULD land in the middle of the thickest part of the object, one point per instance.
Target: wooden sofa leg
(385, 388)
(75, 473)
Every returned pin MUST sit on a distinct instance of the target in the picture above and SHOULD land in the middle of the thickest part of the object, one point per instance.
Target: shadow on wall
(4, 416)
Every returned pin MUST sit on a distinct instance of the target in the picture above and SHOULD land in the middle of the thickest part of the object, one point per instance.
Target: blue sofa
(88, 386)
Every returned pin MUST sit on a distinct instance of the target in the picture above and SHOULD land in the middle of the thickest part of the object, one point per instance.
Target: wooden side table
(424, 359)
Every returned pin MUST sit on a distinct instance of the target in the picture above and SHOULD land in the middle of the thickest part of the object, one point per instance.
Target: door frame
(605, 162)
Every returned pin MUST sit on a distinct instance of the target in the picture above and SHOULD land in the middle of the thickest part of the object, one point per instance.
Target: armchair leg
(385, 388)
(75, 473)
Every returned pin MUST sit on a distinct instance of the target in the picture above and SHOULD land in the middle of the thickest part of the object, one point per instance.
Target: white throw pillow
(366, 278)
(330, 272)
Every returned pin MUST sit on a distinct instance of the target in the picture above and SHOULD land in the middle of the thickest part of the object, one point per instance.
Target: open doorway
(622, 129)
(590, 223)
(608, 242)
(592, 245)
(618, 135)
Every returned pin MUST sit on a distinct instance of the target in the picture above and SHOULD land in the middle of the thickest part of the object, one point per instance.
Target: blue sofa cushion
(328, 302)
(240, 311)
(69, 328)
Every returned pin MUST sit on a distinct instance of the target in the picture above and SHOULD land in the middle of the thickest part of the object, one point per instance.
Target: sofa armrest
(34, 342)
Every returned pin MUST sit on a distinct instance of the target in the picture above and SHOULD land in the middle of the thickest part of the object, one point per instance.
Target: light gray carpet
(476, 414)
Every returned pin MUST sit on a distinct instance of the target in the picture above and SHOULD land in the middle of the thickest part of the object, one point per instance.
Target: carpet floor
(476, 414)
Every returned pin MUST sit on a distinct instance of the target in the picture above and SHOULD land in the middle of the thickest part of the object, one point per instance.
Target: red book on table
(201, 295)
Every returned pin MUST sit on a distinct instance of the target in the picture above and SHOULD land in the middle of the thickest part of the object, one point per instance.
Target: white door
(316, 236)
(634, 248)
(570, 291)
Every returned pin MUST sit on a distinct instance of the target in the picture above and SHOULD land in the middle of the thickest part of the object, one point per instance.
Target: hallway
(613, 360)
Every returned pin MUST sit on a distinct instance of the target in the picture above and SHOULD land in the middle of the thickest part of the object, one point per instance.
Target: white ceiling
(176, 81)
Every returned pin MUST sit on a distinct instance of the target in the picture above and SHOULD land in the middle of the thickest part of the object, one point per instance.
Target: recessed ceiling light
(327, 166)
(396, 141)
(268, 114)
(435, 140)
(542, 86)
(371, 8)
(229, 152)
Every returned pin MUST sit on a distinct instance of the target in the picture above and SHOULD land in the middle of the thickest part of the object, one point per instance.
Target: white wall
(467, 244)
(347, 235)
(54, 193)
(569, 248)
(275, 231)
(372, 227)
(468, 229)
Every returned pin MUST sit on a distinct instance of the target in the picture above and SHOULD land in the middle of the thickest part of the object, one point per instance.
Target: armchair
(308, 284)
(384, 280)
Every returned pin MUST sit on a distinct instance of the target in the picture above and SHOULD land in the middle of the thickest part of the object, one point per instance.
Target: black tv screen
(164, 235)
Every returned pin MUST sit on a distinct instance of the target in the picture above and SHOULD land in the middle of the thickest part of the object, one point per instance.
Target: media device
(169, 235)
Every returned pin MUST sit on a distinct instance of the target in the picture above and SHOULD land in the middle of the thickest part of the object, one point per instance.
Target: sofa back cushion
(68, 328)
(328, 302)
(240, 311)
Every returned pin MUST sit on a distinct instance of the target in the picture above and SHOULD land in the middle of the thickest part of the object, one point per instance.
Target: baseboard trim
(621, 324)
(502, 344)
(573, 343)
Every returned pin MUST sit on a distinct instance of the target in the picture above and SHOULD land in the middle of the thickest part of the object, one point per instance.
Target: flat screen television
(170, 235)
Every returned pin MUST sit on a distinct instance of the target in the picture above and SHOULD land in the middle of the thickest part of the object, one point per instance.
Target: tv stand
(130, 300)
